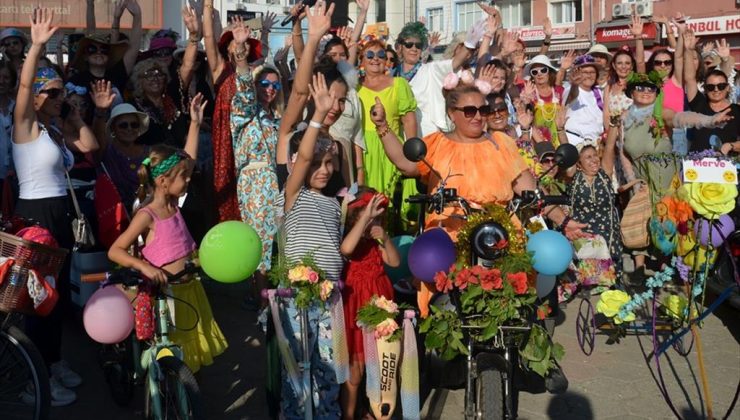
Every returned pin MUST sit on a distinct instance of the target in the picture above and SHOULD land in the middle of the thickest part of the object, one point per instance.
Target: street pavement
(616, 382)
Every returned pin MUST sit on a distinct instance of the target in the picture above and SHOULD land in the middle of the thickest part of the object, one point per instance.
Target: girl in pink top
(164, 178)
(670, 66)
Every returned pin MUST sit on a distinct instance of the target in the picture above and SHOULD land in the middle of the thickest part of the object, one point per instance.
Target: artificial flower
(611, 302)
(386, 305)
(442, 282)
(709, 199)
(483, 86)
(450, 81)
(491, 280)
(386, 328)
(467, 77)
(675, 209)
(518, 281)
(326, 287)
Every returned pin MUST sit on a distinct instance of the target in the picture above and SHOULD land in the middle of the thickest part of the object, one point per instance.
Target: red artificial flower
(543, 311)
(442, 282)
(491, 280)
(518, 281)
(463, 278)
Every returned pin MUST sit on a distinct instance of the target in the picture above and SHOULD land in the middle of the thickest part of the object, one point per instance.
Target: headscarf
(44, 75)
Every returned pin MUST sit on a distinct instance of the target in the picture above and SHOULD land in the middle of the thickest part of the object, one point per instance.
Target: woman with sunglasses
(545, 95)
(255, 119)
(376, 85)
(13, 44)
(41, 153)
(584, 102)
(715, 99)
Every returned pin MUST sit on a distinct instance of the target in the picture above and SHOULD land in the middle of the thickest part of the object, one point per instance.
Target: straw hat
(115, 54)
(600, 49)
(127, 109)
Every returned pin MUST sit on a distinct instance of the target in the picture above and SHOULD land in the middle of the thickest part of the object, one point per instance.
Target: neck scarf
(409, 74)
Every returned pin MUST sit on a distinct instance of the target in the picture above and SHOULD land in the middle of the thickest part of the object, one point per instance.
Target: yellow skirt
(201, 343)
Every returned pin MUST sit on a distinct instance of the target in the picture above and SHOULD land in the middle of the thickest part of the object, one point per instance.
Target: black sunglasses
(52, 93)
(499, 109)
(646, 89)
(154, 73)
(11, 42)
(663, 62)
(470, 111)
(266, 83)
(163, 52)
(409, 44)
(710, 87)
(95, 49)
(124, 125)
(541, 70)
(372, 54)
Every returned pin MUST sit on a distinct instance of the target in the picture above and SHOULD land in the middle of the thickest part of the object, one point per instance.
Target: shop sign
(712, 25)
(72, 13)
(536, 33)
(622, 33)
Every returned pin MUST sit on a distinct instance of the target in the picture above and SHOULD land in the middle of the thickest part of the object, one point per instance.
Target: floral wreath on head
(657, 123)
(452, 80)
(652, 78)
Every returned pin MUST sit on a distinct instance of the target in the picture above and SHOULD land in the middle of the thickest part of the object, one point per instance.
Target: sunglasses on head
(266, 83)
(470, 111)
(97, 49)
(541, 70)
(663, 62)
(372, 54)
(154, 74)
(710, 87)
(646, 89)
(124, 125)
(417, 45)
(11, 42)
(164, 52)
(52, 93)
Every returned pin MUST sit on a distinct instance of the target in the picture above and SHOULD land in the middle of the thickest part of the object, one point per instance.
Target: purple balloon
(430, 253)
(721, 228)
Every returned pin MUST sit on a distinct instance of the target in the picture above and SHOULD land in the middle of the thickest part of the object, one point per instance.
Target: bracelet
(194, 39)
(314, 124)
(383, 133)
(564, 224)
(561, 129)
(360, 168)
(547, 43)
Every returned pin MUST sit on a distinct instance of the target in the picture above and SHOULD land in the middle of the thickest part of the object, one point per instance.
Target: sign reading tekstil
(72, 13)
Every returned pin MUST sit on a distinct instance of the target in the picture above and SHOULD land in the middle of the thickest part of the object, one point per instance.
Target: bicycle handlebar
(287, 292)
(132, 277)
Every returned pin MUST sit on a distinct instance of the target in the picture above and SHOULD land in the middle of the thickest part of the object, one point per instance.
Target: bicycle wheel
(24, 382)
(586, 327)
(178, 392)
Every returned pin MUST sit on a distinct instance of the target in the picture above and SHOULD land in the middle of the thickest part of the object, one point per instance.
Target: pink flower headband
(452, 80)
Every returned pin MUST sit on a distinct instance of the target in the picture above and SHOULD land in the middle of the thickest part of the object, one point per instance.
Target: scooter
(491, 373)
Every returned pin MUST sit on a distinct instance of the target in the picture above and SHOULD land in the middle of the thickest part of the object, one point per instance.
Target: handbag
(634, 224)
(83, 234)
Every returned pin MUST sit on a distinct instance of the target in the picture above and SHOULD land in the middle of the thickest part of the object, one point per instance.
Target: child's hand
(378, 233)
(374, 209)
(197, 106)
(320, 94)
(156, 275)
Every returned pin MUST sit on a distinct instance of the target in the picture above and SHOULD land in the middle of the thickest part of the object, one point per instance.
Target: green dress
(380, 173)
(643, 151)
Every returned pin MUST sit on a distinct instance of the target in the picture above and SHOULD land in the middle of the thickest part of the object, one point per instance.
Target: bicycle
(171, 389)
(24, 379)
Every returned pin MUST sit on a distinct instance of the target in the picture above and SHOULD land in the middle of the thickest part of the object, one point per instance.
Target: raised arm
(193, 25)
(547, 29)
(296, 32)
(565, 64)
(25, 128)
(103, 97)
(364, 6)
(197, 106)
(391, 144)
(678, 54)
(119, 6)
(215, 61)
(636, 29)
(132, 53)
(727, 61)
(689, 68)
(607, 160)
(78, 135)
(268, 21)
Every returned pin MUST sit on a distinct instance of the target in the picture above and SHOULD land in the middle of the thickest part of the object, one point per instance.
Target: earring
(361, 71)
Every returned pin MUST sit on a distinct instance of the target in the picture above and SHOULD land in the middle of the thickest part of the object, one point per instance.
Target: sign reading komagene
(72, 13)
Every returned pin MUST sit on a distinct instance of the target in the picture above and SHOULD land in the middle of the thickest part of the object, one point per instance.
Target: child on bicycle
(168, 245)
(367, 246)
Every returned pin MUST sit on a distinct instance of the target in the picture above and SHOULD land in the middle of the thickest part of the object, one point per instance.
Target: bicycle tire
(175, 372)
(491, 399)
(17, 353)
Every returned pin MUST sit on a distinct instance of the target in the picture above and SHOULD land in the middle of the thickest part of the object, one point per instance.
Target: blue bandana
(44, 75)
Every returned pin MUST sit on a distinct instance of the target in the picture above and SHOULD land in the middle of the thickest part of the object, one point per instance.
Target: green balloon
(230, 252)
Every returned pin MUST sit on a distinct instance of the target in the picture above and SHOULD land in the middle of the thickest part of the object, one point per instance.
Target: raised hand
(490, 10)
(268, 21)
(323, 100)
(723, 49)
(345, 34)
(524, 117)
(529, 93)
(547, 27)
(487, 74)
(133, 7)
(689, 40)
(377, 113)
(561, 119)
(373, 208)
(119, 6)
(239, 30)
(197, 106)
(319, 19)
(41, 28)
(721, 118)
(189, 17)
(102, 94)
(298, 11)
(282, 54)
(363, 4)
(434, 39)
(636, 25)
(509, 43)
(567, 61)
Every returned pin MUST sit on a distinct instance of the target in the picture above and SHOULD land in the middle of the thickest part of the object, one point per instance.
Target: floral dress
(255, 137)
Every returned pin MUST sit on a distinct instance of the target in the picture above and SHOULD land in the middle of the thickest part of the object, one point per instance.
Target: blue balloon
(551, 252)
(403, 245)
(430, 253)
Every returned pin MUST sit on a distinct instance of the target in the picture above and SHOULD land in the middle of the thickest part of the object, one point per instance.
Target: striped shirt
(312, 228)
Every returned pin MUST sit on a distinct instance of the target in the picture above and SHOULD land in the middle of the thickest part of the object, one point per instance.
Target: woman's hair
(157, 154)
(392, 52)
(353, 213)
(613, 78)
(650, 64)
(6, 65)
(452, 96)
(334, 41)
(371, 43)
(138, 74)
(277, 105)
(331, 73)
(414, 30)
(717, 72)
(324, 144)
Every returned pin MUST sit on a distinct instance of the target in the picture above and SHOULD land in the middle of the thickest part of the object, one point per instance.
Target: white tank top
(40, 166)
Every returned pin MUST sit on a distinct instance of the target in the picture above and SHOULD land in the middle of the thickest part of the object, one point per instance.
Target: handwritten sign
(709, 170)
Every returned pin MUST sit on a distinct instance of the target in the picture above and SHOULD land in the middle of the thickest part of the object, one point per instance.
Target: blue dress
(255, 136)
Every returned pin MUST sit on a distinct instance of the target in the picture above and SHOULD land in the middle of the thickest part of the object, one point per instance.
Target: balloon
(552, 252)
(721, 228)
(430, 253)
(402, 244)
(108, 316)
(230, 252)
(545, 284)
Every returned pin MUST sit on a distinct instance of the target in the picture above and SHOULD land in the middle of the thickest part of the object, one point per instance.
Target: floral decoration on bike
(381, 315)
(306, 279)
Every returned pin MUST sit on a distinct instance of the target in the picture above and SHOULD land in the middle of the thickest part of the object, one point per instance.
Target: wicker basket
(46, 260)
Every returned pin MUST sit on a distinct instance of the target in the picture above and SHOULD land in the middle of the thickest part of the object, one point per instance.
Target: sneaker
(60, 396)
(66, 376)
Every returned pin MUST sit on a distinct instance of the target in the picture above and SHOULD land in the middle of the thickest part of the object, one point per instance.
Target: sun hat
(600, 49)
(127, 109)
(541, 60)
(115, 54)
(13, 32)
(544, 149)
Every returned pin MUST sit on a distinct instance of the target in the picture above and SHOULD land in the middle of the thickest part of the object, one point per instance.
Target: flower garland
(490, 213)
(619, 306)
(379, 315)
(308, 282)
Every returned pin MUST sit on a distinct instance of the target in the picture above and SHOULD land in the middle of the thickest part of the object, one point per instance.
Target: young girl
(368, 247)
(164, 177)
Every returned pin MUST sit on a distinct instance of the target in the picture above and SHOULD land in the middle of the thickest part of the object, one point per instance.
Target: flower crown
(652, 78)
(452, 80)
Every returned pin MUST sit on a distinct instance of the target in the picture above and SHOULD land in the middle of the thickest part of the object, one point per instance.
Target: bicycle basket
(46, 260)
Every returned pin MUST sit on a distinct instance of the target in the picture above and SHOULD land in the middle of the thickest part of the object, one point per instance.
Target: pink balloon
(108, 316)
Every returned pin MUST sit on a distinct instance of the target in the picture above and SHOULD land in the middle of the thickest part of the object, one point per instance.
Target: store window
(435, 19)
(566, 11)
(467, 14)
(515, 13)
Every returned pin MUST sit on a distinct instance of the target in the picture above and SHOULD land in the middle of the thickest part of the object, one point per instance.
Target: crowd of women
(311, 157)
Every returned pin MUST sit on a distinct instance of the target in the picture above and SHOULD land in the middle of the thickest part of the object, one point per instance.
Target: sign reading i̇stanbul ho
(72, 13)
